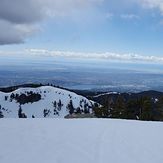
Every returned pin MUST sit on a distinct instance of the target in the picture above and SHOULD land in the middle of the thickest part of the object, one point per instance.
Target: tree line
(142, 108)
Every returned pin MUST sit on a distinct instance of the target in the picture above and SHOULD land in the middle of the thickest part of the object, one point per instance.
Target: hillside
(45, 101)
(38, 101)
(146, 105)
(80, 141)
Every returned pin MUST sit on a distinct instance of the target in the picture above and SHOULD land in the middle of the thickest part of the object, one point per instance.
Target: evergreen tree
(6, 97)
(54, 104)
(70, 107)
(20, 112)
(59, 105)
(101, 112)
(158, 114)
(119, 107)
(46, 112)
(132, 110)
(146, 109)
(78, 110)
(1, 114)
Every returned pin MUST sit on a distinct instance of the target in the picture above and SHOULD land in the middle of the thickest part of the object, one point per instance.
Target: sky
(129, 29)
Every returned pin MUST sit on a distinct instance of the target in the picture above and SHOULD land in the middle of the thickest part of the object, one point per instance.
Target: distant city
(81, 74)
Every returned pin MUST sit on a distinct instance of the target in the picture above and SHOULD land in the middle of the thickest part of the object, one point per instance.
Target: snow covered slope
(40, 102)
(80, 141)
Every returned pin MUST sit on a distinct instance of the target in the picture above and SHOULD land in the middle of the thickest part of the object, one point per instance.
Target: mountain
(38, 101)
(44, 101)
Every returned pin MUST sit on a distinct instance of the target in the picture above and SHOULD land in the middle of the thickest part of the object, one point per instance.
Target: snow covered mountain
(45, 101)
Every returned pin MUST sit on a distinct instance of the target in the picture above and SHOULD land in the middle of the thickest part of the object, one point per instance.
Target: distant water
(81, 73)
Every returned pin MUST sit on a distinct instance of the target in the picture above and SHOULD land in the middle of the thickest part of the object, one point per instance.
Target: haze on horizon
(125, 27)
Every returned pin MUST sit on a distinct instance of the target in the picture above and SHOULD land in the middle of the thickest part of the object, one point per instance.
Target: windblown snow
(41, 102)
(80, 141)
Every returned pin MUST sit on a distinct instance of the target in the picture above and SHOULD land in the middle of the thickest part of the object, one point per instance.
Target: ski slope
(80, 141)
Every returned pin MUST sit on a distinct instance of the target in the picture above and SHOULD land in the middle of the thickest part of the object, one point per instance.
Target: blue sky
(122, 27)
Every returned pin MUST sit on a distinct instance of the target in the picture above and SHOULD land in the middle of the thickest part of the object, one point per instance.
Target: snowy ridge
(45, 101)
(108, 93)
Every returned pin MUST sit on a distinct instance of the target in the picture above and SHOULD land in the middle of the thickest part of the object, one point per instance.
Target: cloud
(20, 11)
(152, 4)
(19, 18)
(29, 11)
(66, 7)
(136, 58)
(14, 33)
(109, 15)
(129, 16)
(107, 56)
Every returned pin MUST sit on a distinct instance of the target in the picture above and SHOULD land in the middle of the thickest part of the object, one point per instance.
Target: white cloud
(69, 54)
(107, 56)
(129, 16)
(21, 18)
(15, 33)
(18, 18)
(152, 4)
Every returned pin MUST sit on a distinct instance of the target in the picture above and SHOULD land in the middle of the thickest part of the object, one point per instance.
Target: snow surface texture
(10, 107)
(80, 141)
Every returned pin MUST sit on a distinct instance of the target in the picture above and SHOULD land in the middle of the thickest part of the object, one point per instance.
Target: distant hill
(146, 105)
(39, 102)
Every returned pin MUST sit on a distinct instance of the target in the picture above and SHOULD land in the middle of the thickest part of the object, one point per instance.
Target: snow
(80, 141)
(48, 96)
(156, 100)
(108, 93)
